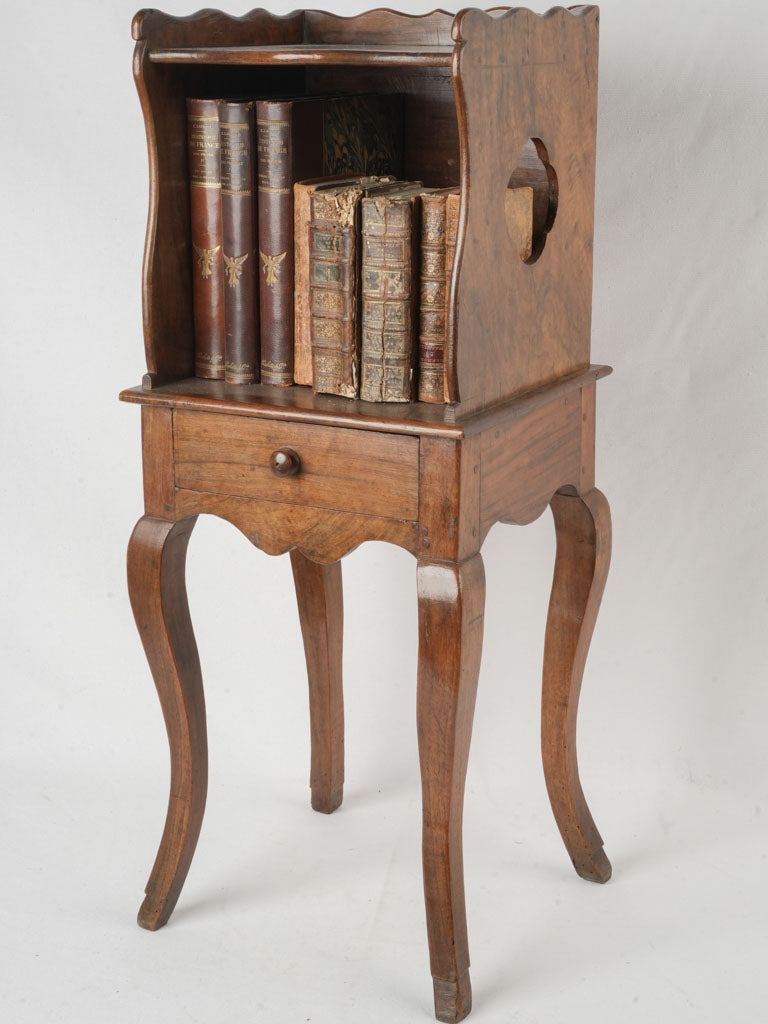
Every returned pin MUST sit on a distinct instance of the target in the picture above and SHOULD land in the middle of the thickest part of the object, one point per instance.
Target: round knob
(285, 462)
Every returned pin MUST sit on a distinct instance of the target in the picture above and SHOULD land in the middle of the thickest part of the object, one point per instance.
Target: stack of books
(313, 262)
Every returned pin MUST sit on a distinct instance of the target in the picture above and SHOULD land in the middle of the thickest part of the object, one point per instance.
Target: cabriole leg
(321, 612)
(583, 528)
(451, 606)
(156, 583)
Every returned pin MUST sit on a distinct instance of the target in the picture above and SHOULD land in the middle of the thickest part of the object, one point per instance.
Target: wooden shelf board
(300, 404)
(357, 55)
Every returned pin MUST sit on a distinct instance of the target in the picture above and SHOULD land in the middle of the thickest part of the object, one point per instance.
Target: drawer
(339, 468)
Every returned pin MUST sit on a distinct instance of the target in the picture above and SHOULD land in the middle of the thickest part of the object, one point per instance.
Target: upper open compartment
(492, 100)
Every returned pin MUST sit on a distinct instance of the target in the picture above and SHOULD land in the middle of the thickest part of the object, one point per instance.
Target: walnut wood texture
(300, 404)
(311, 54)
(583, 527)
(514, 325)
(338, 469)
(451, 607)
(156, 558)
(321, 613)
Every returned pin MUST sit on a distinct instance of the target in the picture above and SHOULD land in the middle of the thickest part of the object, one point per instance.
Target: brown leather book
(335, 286)
(206, 235)
(452, 207)
(433, 284)
(236, 130)
(389, 288)
(302, 334)
(518, 209)
(298, 139)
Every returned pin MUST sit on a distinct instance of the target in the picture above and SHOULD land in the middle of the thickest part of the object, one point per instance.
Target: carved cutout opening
(531, 201)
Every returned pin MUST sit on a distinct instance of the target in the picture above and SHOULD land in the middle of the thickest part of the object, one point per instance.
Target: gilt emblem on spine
(205, 259)
(271, 266)
(233, 267)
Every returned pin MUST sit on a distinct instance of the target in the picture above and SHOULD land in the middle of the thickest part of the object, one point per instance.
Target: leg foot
(453, 999)
(156, 583)
(451, 607)
(321, 612)
(583, 528)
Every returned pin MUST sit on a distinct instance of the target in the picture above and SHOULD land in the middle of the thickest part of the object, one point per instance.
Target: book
(334, 286)
(299, 139)
(206, 236)
(452, 208)
(302, 338)
(518, 209)
(236, 131)
(434, 281)
(389, 290)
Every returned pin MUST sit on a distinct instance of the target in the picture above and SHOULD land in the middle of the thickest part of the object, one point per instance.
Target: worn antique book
(305, 138)
(334, 286)
(518, 208)
(206, 236)
(389, 293)
(452, 208)
(238, 214)
(433, 294)
(302, 336)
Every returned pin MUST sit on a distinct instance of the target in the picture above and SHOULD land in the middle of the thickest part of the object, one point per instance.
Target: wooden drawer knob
(285, 462)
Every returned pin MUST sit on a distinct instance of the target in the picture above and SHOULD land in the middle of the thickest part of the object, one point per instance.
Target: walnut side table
(494, 100)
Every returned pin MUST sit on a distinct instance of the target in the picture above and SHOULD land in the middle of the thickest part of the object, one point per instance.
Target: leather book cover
(389, 289)
(334, 267)
(206, 236)
(306, 138)
(333, 289)
(302, 335)
(452, 207)
(236, 130)
(433, 286)
(518, 209)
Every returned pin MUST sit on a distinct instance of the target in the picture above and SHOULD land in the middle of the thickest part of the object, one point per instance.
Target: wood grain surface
(321, 613)
(451, 608)
(345, 470)
(583, 528)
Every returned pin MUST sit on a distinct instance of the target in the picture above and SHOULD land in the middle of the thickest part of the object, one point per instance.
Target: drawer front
(344, 469)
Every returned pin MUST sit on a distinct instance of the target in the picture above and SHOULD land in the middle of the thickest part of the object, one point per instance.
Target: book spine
(275, 199)
(302, 334)
(333, 293)
(387, 353)
(432, 293)
(237, 214)
(452, 208)
(206, 236)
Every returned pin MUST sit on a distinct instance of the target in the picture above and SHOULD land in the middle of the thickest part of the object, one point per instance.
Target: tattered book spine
(333, 291)
(432, 293)
(452, 208)
(275, 196)
(238, 220)
(388, 306)
(206, 236)
(302, 332)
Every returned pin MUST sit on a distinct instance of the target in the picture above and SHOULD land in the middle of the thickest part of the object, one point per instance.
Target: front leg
(156, 583)
(321, 613)
(451, 607)
(583, 528)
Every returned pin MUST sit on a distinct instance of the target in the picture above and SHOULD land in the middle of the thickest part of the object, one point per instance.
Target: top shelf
(351, 54)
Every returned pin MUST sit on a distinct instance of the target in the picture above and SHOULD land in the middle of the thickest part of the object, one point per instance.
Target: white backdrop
(288, 916)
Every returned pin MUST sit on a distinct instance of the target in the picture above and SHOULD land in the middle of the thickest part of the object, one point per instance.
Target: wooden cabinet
(491, 100)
